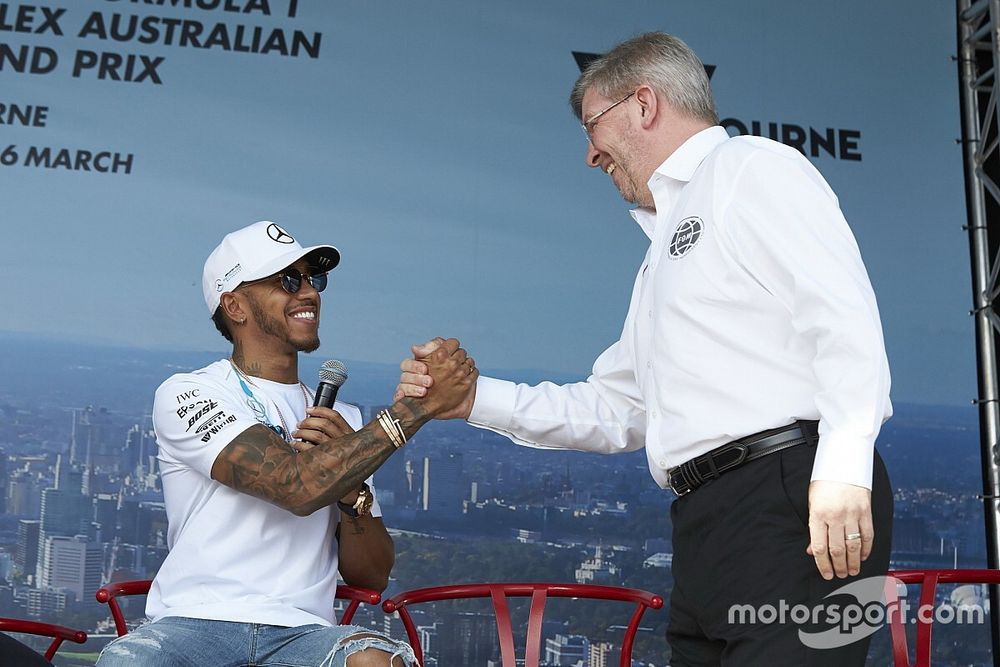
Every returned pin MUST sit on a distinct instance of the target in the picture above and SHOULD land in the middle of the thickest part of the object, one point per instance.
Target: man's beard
(274, 327)
(631, 189)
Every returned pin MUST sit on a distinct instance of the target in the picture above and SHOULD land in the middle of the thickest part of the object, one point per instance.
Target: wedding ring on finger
(852, 536)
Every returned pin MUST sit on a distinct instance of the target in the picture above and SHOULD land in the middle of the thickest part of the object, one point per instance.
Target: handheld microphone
(332, 374)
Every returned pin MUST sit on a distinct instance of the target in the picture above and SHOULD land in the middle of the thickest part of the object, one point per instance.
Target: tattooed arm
(260, 463)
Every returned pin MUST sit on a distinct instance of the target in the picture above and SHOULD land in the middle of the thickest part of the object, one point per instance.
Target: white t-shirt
(234, 557)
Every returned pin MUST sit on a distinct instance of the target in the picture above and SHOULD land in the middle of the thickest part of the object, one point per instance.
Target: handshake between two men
(438, 363)
(442, 376)
(434, 376)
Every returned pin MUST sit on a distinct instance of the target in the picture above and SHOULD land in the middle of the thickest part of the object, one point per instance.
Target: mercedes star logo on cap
(278, 234)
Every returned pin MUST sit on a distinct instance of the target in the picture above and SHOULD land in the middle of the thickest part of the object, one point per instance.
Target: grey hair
(661, 61)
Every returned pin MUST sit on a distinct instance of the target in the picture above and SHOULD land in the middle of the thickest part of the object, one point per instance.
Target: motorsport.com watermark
(855, 611)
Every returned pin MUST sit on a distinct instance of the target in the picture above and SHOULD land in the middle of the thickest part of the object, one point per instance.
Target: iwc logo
(686, 236)
(278, 234)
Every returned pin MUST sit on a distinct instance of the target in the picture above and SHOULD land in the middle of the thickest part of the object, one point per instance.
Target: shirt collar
(678, 169)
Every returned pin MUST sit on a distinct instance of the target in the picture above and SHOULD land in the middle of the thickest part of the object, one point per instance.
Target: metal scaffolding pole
(978, 60)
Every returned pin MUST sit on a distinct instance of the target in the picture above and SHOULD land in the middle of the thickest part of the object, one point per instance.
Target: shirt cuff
(494, 404)
(844, 458)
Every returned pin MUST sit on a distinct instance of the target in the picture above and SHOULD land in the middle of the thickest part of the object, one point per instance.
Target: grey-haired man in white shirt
(751, 367)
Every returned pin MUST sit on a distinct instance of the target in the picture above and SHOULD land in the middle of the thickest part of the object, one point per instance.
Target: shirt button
(649, 364)
(650, 313)
(663, 463)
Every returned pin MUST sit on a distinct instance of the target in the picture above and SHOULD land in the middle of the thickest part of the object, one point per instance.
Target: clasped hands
(439, 363)
(442, 376)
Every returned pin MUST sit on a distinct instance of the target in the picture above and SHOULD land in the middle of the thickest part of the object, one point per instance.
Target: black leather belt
(688, 476)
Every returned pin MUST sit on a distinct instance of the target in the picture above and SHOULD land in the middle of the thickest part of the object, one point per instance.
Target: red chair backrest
(928, 580)
(58, 633)
(107, 595)
(538, 592)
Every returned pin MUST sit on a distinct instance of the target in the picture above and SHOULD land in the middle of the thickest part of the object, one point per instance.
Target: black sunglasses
(291, 280)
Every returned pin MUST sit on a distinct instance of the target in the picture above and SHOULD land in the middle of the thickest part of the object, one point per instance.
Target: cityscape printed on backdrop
(81, 505)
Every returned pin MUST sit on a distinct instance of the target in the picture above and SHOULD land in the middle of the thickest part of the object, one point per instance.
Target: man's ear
(232, 306)
(649, 106)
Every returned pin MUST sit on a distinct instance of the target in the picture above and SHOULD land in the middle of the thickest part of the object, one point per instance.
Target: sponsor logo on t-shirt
(204, 410)
(218, 427)
(184, 409)
(211, 421)
(187, 395)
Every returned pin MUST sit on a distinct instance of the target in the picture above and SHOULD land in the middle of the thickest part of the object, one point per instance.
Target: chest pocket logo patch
(686, 236)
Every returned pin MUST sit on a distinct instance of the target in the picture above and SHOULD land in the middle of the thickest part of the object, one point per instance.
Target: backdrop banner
(432, 142)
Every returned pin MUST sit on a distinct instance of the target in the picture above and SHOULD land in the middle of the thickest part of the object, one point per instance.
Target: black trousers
(741, 540)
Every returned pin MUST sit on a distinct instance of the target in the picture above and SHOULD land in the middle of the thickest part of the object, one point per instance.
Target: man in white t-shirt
(750, 367)
(268, 499)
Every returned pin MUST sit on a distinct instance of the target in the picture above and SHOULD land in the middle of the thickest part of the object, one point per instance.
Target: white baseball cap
(255, 252)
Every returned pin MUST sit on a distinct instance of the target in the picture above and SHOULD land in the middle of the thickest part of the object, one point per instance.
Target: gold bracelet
(398, 427)
(388, 431)
(392, 429)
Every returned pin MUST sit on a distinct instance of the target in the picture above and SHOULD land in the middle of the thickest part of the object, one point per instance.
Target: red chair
(58, 633)
(928, 580)
(538, 593)
(107, 594)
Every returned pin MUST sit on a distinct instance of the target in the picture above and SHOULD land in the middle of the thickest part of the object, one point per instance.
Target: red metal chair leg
(504, 629)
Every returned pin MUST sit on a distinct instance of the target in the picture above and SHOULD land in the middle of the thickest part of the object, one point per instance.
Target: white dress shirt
(751, 309)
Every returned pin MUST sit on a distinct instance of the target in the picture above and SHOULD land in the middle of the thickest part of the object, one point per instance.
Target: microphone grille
(334, 372)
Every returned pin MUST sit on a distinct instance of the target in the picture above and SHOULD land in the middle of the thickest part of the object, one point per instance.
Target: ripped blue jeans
(194, 642)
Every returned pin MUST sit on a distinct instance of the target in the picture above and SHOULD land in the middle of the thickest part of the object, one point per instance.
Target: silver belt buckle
(670, 483)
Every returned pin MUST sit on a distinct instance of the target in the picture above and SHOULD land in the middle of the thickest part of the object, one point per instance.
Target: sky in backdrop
(432, 142)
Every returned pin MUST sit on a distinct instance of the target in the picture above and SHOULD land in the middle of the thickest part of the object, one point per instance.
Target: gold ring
(852, 536)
